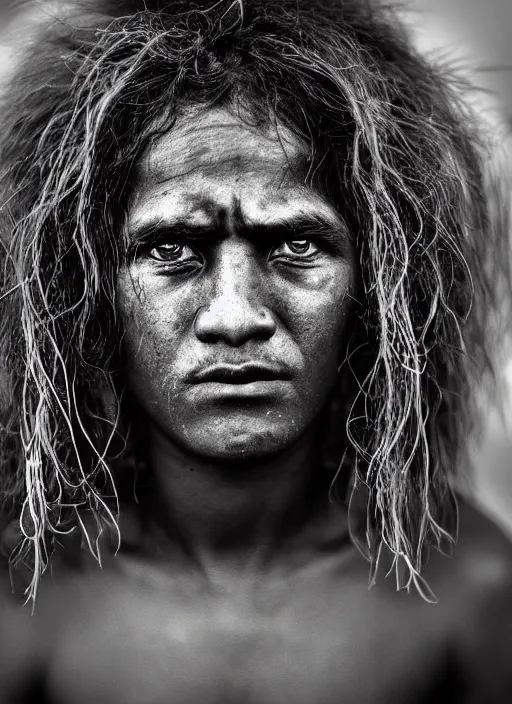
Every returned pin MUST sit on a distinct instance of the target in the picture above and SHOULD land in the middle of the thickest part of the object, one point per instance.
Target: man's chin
(236, 444)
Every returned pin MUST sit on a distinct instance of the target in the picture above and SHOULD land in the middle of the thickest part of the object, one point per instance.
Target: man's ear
(109, 400)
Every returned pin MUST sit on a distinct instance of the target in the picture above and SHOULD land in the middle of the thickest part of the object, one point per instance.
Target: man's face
(235, 298)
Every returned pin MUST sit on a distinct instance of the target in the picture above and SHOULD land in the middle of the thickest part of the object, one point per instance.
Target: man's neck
(238, 516)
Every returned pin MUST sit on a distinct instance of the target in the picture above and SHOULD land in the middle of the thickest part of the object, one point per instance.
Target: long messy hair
(391, 144)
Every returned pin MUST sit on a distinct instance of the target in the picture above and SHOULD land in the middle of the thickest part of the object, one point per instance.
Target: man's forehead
(219, 142)
(212, 160)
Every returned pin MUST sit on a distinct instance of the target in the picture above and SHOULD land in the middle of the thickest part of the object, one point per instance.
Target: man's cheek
(320, 322)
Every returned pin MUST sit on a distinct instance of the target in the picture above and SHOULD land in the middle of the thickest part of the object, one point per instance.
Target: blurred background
(476, 36)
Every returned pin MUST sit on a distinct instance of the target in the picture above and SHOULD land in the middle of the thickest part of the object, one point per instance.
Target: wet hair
(393, 146)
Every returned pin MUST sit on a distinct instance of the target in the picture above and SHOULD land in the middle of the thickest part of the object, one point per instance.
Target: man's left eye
(296, 248)
(172, 252)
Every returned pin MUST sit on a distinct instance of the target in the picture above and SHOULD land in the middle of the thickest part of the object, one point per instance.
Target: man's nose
(236, 311)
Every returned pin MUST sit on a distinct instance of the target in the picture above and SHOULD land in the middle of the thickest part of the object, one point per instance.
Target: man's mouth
(240, 374)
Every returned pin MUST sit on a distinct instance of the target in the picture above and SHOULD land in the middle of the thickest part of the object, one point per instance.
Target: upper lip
(240, 373)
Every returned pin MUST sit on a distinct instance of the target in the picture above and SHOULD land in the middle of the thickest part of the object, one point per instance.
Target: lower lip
(254, 389)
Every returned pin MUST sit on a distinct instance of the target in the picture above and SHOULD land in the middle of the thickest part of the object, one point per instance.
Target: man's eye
(296, 248)
(173, 252)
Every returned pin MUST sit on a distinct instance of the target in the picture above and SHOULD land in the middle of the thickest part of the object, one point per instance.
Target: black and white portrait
(254, 270)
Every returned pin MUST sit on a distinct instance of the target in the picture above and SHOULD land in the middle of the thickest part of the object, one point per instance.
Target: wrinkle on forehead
(217, 142)
(211, 161)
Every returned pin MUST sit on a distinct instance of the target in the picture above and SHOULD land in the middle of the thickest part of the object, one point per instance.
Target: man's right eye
(173, 253)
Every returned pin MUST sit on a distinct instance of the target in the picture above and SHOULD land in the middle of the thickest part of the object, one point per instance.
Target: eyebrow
(335, 236)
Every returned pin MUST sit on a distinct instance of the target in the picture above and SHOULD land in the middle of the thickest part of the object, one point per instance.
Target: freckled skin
(237, 305)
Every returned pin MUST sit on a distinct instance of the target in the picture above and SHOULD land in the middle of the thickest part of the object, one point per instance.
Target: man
(246, 282)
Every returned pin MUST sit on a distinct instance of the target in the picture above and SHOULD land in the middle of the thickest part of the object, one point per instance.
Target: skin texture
(235, 293)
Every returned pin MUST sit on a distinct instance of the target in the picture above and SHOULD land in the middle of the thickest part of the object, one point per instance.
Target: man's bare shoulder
(475, 594)
(478, 569)
(482, 556)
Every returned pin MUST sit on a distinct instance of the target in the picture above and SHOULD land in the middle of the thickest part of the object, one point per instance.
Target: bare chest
(140, 650)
